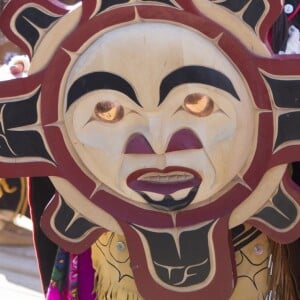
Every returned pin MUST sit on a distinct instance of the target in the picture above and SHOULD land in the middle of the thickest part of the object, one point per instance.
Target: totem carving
(168, 122)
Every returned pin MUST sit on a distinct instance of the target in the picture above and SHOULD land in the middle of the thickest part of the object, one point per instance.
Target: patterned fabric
(86, 276)
(66, 284)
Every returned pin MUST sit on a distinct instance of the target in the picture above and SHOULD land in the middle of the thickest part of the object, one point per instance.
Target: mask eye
(109, 111)
(198, 105)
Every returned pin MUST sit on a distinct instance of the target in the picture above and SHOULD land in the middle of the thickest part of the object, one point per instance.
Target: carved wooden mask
(169, 122)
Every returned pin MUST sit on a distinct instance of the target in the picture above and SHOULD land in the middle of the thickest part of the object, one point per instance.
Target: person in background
(292, 11)
(16, 67)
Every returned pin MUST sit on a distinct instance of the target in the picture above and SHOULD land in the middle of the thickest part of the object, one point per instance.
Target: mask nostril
(138, 144)
(184, 139)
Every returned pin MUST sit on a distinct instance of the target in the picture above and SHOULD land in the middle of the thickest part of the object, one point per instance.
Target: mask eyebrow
(99, 81)
(196, 74)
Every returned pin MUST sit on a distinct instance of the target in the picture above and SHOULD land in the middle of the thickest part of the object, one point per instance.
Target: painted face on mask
(178, 133)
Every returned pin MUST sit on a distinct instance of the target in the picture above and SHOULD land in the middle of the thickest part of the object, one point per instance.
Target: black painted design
(194, 256)
(236, 231)
(169, 204)
(196, 74)
(242, 237)
(234, 5)
(64, 217)
(31, 16)
(283, 216)
(108, 3)
(20, 113)
(167, 2)
(118, 263)
(26, 144)
(288, 128)
(253, 12)
(286, 93)
(254, 268)
(97, 81)
(16, 142)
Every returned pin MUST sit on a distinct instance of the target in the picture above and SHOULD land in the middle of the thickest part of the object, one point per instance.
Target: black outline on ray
(62, 219)
(286, 94)
(21, 143)
(288, 128)
(27, 30)
(109, 3)
(233, 5)
(284, 207)
(161, 246)
(242, 237)
(253, 12)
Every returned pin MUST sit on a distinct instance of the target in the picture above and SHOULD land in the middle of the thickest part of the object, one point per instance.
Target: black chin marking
(168, 203)
(187, 266)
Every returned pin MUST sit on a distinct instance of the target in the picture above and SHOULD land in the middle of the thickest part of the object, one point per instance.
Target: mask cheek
(221, 147)
(103, 165)
(100, 152)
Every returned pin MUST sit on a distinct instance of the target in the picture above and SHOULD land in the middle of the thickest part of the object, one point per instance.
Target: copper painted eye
(198, 105)
(109, 111)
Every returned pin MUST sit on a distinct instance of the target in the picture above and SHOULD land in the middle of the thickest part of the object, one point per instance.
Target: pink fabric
(72, 277)
(86, 274)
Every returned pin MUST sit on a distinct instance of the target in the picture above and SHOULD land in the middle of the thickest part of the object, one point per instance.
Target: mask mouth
(179, 261)
(170, 189)
(168, 203)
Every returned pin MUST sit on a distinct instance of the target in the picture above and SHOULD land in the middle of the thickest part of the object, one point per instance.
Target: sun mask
(169, 122)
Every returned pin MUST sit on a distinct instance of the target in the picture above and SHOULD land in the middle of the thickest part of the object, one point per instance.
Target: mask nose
(138, 144)
(184, 139)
